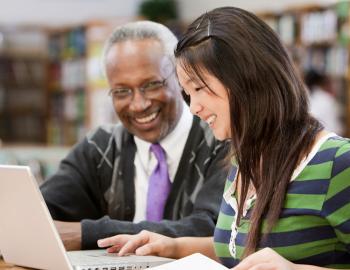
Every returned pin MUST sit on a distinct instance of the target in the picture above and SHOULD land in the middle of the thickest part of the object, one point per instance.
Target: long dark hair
(270, 124)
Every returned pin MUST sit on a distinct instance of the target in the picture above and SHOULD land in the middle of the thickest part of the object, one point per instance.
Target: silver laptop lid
(28, 236)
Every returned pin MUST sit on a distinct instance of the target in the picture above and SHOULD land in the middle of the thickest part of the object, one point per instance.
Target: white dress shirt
(145, 161)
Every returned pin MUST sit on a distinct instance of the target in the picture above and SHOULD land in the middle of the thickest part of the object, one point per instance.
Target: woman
(289, 189)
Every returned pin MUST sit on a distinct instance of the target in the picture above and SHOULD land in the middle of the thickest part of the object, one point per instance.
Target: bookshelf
(317, 37)
(66, 85)
(22, 86)
(78, 98)
(52, 90)
(99, 105)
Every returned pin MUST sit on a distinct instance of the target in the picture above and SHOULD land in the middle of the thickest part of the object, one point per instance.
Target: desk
(4, 266)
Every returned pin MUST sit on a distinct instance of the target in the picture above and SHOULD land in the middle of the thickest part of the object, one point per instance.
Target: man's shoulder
(202, 144)
(106, 134)
(105, 130)
(202, 129)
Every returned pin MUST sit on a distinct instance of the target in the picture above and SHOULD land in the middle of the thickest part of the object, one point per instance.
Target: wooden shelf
(24, 55)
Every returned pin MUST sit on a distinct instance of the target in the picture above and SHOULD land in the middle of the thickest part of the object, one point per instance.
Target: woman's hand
(265, 259)
(143, 243)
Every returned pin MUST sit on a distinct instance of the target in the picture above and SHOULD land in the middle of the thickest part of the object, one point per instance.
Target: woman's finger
(134, 242)
(113, 249)
(117, 240)
(150, 249)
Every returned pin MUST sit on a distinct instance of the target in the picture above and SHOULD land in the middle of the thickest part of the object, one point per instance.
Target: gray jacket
(95, 184)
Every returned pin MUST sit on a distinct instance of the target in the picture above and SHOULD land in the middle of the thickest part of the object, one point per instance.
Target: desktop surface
(4, 266)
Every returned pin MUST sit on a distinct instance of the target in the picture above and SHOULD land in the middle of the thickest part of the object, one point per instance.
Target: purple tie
(159, 186)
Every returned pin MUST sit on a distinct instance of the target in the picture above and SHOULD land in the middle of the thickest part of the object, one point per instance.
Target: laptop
(28, 236)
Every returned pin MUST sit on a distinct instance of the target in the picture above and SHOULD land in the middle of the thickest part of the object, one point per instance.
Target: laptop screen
(28, 236)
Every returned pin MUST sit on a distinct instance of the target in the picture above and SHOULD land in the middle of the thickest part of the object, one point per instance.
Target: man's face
(134, 64)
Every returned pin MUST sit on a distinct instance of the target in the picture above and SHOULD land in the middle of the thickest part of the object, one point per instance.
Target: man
(106, 185)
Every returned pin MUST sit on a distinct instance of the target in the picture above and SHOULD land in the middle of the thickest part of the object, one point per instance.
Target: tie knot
(158, 151)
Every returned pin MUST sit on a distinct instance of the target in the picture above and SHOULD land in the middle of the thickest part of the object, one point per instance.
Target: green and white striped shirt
(314, 225)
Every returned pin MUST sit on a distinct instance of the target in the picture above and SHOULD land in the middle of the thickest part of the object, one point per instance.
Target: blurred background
(52, 90)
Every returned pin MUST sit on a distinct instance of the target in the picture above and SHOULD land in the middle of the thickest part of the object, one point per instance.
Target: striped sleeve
(336, 207)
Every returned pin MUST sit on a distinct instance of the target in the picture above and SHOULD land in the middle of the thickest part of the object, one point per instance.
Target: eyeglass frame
(144, 89)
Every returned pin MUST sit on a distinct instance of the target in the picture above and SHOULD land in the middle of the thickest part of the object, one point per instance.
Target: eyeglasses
(148, 90)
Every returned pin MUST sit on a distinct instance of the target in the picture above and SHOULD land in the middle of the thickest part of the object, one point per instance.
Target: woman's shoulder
(341, 159)
(332, 148)
(335, 142)
(337, 198)
(340, 169)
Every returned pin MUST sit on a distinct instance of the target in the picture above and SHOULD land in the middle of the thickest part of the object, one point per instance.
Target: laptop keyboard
(100, 260)
(111, 268)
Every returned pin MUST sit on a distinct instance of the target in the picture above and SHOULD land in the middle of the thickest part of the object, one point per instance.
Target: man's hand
(70, 233)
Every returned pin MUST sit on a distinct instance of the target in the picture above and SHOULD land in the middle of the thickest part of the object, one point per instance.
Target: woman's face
(211, 103)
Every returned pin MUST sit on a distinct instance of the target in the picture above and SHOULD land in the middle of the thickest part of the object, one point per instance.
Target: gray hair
(141, 30)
